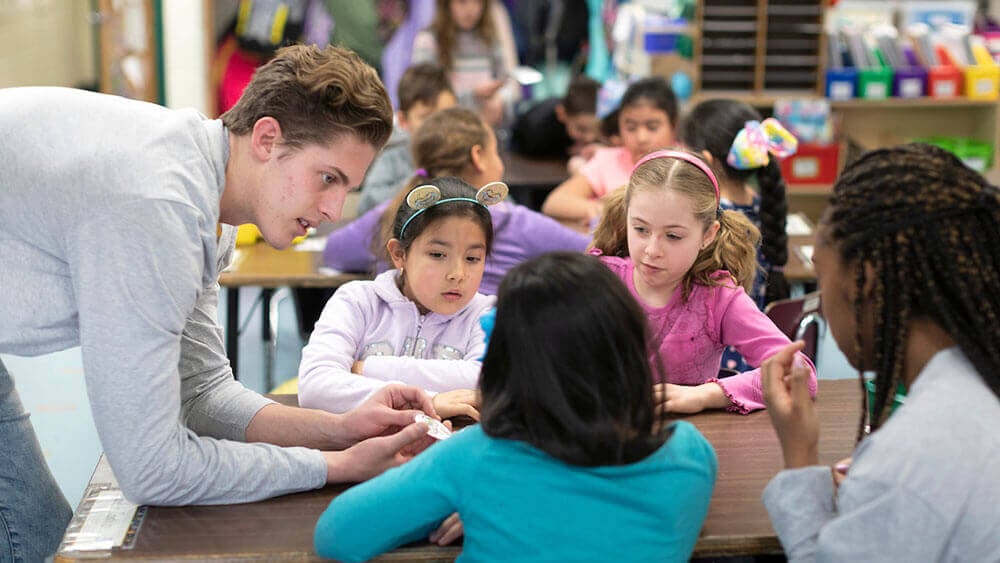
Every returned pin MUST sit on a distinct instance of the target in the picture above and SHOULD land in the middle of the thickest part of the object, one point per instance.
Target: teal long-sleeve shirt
(518, 503)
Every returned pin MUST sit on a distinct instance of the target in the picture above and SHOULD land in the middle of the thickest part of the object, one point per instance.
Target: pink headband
(686, 157)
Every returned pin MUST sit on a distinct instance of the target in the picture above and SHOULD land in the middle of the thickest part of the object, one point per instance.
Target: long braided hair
(711, 126)
(929, 227)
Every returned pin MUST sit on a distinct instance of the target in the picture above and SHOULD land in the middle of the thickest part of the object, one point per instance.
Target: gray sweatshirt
(108, 213)
(924, 487)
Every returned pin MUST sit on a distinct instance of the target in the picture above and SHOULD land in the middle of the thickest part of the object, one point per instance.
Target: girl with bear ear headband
(417, 323)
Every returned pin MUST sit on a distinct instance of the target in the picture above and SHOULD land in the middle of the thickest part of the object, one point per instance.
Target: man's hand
(387, 411)
(371, 457)
(792, 412)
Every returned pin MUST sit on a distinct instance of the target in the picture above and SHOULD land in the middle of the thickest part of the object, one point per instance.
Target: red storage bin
(812, 164)
(944, 82)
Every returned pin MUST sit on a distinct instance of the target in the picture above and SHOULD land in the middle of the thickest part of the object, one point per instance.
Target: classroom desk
(799, 268)
(531, 179)
(281, 528)
(262, 266)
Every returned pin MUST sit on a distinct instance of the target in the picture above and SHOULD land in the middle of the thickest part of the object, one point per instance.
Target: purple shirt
(690, 336)
(518, 234)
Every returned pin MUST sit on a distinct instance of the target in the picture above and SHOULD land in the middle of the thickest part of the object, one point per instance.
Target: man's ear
(708, 158)
(402, 121)
(561, 113)
(265, 138)
(396, 253)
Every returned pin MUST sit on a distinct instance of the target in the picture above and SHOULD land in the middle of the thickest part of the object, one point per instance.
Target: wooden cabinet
(763, 50)
(761, 47)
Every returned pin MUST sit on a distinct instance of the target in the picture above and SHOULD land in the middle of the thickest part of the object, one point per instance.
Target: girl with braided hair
(908, 258)
(722, 131)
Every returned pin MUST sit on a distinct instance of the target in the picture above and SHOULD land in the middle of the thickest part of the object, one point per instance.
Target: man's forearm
(291, 426)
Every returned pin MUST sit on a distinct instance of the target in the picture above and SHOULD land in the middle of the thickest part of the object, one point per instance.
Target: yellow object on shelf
(247, 234)
(982, 82)
(290, 387)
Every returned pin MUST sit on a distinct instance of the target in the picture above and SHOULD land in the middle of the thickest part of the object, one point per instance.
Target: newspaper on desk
(104, 519)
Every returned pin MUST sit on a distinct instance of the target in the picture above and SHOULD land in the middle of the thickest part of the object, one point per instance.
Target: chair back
(799, 318)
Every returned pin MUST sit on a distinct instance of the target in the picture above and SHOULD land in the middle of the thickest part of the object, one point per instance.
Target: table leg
(233, 327)
(267, 334)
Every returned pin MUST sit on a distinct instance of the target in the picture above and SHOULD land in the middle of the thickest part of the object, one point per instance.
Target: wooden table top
(263, 266)
(281, 528)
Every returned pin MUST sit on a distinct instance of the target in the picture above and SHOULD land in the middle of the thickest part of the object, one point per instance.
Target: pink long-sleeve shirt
(689, 337)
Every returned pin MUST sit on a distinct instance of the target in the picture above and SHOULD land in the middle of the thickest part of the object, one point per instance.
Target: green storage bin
(875, 83)
(977, 155)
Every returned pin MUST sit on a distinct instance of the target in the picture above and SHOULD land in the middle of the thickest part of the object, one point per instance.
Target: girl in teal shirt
(571, 461)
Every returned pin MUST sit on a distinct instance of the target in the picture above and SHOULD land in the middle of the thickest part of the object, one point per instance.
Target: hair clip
(757, 140)
(492, 193)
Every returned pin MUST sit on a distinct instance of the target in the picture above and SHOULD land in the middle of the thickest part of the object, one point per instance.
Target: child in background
(561, 127)
(712, 129)
(423, 89)
(455, 142)
(908, 258)
(646, 121)
(469, 41)
(571, 461)
(730, 135)
(418, 323)
(685, 260)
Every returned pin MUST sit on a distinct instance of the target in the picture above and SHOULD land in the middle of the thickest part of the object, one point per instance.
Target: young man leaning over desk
(108, 213)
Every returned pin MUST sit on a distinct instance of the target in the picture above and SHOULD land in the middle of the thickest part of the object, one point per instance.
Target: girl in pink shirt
(646, 121)
(689, 264)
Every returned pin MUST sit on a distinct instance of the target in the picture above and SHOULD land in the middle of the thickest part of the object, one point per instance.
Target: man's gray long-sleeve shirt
(108, 214)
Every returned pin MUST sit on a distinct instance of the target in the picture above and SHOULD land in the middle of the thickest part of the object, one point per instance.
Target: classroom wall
(185, 64)
(46, 43)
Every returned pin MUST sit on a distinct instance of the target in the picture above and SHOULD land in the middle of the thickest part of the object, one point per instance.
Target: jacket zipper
(416, 337)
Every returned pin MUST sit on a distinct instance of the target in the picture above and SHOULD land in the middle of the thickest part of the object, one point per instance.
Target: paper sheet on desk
(797, 225)
(316, 244)
(806, 253)
(328, 271)
(237, 257)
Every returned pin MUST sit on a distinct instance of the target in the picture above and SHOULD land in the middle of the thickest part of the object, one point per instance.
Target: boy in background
(423, 89)
(560, 127)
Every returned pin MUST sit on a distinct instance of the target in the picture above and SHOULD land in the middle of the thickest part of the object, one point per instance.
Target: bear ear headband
(686, 157)
(422, 198)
